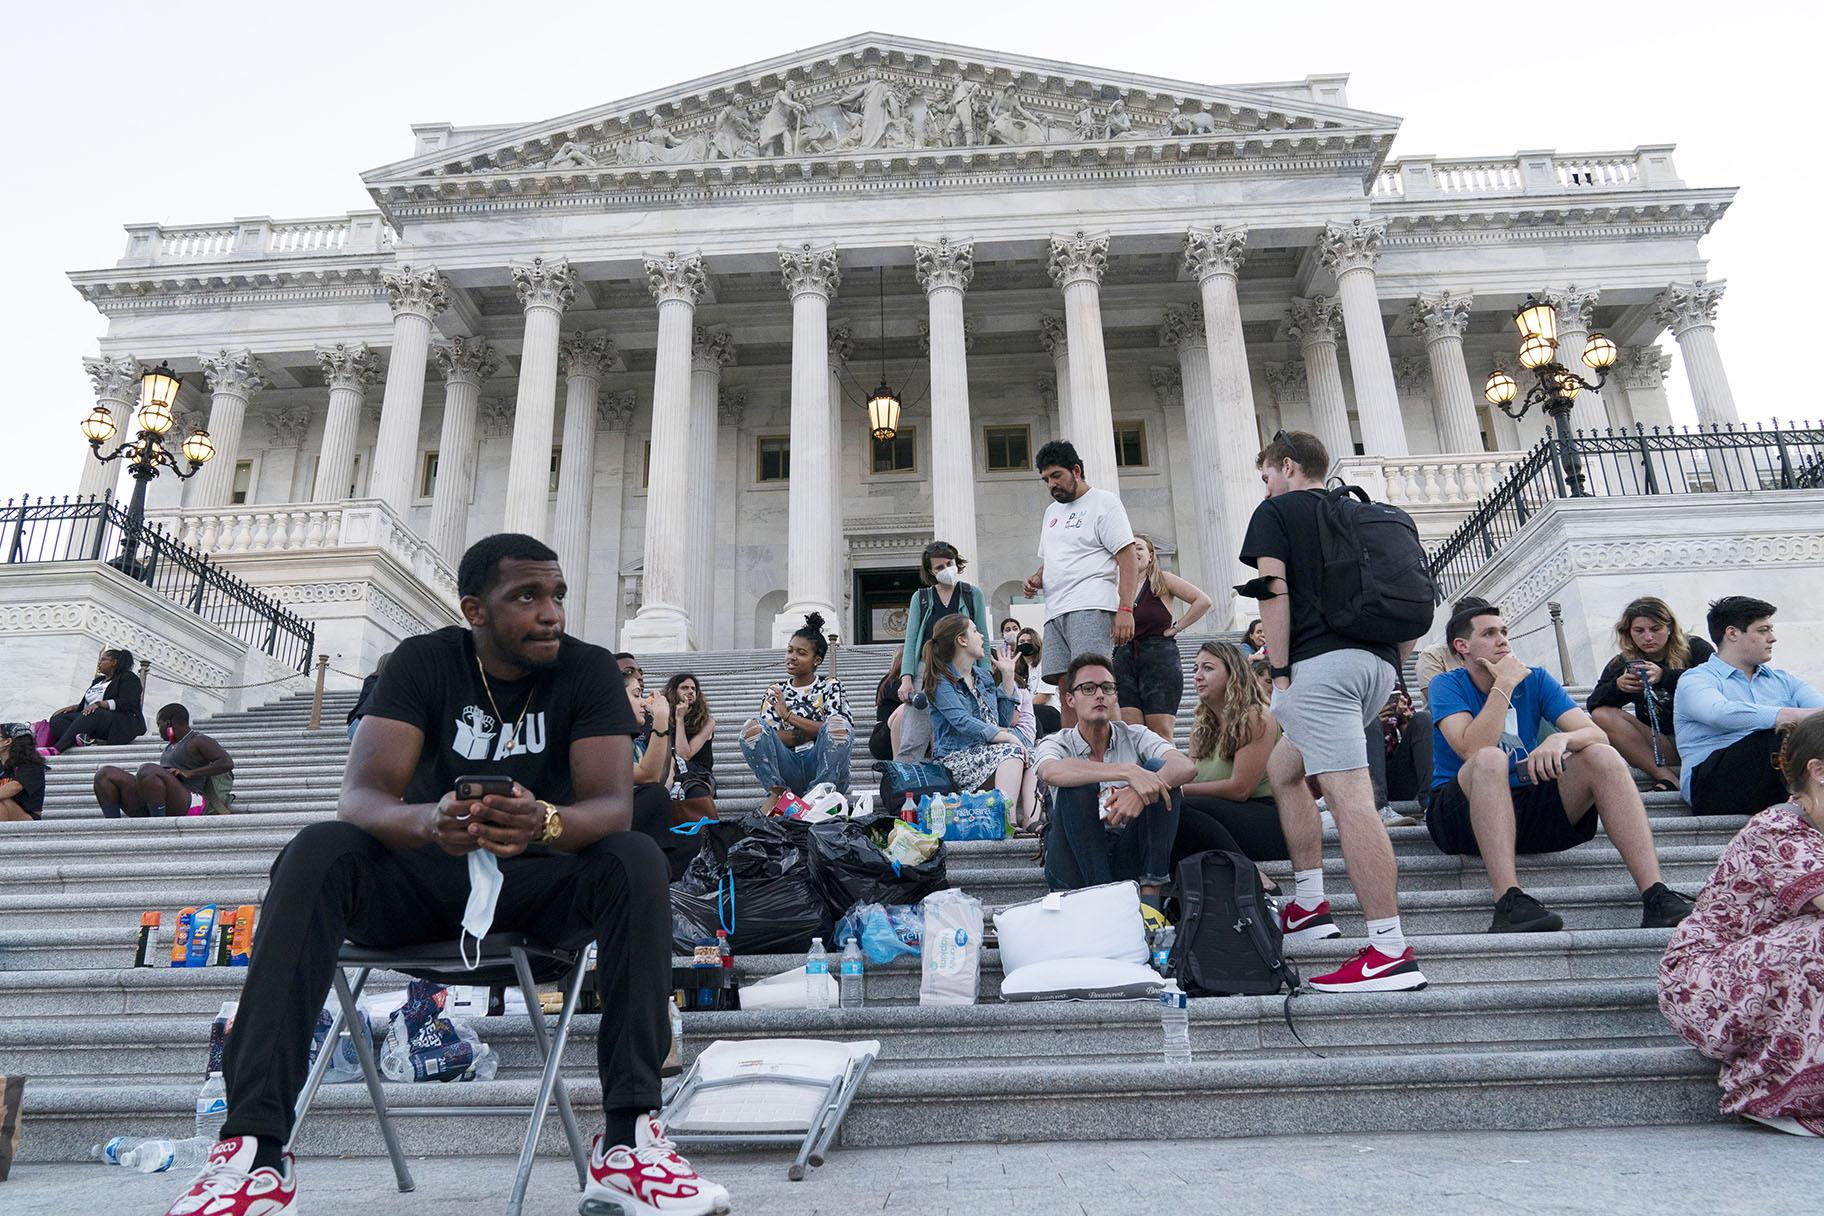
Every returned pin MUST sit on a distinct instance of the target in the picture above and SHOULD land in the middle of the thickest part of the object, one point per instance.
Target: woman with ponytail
(973, 703)
(802, 735)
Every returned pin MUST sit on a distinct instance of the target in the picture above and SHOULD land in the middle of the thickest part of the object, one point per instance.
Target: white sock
(1384, 935)
(1310, 887)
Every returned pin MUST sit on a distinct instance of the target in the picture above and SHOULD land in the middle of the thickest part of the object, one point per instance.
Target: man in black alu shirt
(512, 695)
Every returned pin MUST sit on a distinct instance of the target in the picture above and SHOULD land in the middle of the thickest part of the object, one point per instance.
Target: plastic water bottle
(817, 976)
(854, 980)
(677, 1027)
(1175, 1019)
(211, 1108)
(1162, 948)
(157, 1156)
(939, 816)
(111, 1152)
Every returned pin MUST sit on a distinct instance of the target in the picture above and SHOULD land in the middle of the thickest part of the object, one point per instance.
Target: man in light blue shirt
(1731, 711)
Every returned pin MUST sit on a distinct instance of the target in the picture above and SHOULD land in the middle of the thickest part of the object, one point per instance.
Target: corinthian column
(1350, 251)
(116, 380)
(1576, 307)
(663, 623)
(582, 358)
(811, 278)
(710, 352)
(1440, 318)
(417, 297)
(1076, 266)
(1689, 309)
(944, 270)
(465, 363)
(234, 377)
(545, 289)
(842, 345)
(1313, 325)
(1184, 331)
(1214, 257)
(1053, 337)
(348, 370)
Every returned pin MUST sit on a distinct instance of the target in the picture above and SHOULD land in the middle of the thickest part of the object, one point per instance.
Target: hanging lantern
(883, 412)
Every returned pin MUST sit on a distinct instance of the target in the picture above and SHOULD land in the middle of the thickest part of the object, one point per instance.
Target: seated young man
(1497, 790)
(1731, 710)
(173, 784)
(510, 696)
(1112, 816)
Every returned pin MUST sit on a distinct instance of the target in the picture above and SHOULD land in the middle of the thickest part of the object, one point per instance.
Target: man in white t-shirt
(1087, 566)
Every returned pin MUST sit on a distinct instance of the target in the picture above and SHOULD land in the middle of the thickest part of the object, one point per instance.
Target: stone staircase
(1528, 1031)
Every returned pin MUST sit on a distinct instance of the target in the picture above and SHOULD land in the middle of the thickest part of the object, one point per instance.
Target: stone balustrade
(1439, 491)
(257, 238)
(1417, 177)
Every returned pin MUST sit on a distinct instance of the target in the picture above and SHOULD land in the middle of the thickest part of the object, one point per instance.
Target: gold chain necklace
(512, 731)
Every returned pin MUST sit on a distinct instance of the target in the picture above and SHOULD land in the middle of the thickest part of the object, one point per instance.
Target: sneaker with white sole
(1395, 819)
(1372, 971)
(649, 1179)
(230, 1186)
(1301, 924)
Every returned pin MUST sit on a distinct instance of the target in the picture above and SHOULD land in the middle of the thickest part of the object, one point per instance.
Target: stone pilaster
(1314, 324)
(1576, 308)
(464, 363)
(614, 414)
(417, 296)
(348, 370)
(1350, 251)
(944, 270)
(1440, 318)
(545, 289)
(582, 358)
(1076, 264)
(1689, 310)
(1055, 339)
(711, 351)
(811, 276)
(234, 376)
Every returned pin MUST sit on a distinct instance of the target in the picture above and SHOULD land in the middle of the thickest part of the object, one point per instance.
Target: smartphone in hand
(470, 789)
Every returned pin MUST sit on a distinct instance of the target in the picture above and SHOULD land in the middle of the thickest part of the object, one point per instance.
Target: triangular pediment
(873, 95)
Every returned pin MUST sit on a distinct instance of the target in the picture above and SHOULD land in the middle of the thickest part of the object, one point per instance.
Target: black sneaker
(1661, 907)
(1518, 912)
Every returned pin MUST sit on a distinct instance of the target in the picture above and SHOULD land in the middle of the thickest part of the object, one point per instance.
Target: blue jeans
(1082, 851)
(779, 767)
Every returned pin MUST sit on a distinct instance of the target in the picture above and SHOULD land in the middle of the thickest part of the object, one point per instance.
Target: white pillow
(1081, 979)
(1095, 922)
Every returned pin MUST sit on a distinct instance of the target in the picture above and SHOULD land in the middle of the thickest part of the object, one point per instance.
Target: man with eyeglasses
(1114, 790)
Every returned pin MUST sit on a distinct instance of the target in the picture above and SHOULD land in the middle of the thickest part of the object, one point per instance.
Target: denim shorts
(1150, 674)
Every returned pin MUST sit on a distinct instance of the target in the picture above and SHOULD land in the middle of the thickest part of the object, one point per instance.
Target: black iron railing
(99, 530)
(1630, 463)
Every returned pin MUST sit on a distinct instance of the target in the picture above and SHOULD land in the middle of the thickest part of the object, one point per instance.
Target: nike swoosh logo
(1295, 923)
(1369, 972)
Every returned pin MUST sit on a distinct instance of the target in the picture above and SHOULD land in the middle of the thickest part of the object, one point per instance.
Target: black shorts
(1540, 822)
(1739, 779)
(1150, 675)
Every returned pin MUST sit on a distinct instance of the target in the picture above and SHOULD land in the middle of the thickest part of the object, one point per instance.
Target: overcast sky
(201, 112)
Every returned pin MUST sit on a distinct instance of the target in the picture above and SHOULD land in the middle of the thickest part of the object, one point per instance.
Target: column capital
(497, 418)
(941, 264)
(423, 293)
(731, 403)
(234, 371)
(286, 427)
(711, 349)
(1213, 251)
(1436, 315)
(1317, 319)
(1644, 366)
(1352, 246)
(543, 283)
(1053, 335)
(676, 276)
(809, 270)
(614, 411)
(1411, 375)
(1168, 385)
(1078, 258)
(346, 366)
(842, 343)
(1048, 390)
(1183, 328)
(1683, 306)
(1288, 382)
(1575, 306)
(587, 354)
(924, 335)
(115, 377)
(464, 360)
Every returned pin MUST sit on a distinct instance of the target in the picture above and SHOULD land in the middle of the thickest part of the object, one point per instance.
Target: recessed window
(646, 466)
(427, 476)
(898, 454)
(1008, 448)
(557, 460)
(1130, 445)
(243, 482)
(773, 458)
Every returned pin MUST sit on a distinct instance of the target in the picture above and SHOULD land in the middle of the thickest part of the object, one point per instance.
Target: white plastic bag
(787, 990)
(952, 949)
(824, 802)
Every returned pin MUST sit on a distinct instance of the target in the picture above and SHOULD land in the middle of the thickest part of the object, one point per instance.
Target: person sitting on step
(883, 740)
(942, 594)
(654, 768)
(802, 735)
(173, 785)
(973, 706)
(1498, 790)
(1229, 803)
(1631, 707)
(1114, 790)
(1730, 709)
(694, 745)
(1046, 718)
(509, 696)
(1739, 979)
(110, 710)
(22, 771)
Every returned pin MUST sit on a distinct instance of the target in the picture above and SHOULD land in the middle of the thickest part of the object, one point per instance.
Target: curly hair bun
(814, 620)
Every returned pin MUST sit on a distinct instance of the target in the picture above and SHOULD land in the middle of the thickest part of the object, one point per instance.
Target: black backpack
(1377, 587)
(1229, 940)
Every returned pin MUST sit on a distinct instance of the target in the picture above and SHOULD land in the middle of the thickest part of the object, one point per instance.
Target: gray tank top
(184, 754)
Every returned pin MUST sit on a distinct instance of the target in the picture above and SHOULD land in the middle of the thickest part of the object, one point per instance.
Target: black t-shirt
(31, 787)
(1286, 527)
(433, 683)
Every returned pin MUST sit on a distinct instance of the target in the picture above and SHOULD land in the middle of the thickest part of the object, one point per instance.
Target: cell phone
(471, 788)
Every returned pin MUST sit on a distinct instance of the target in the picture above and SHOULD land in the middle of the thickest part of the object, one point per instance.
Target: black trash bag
(850, 866)
(751, 877)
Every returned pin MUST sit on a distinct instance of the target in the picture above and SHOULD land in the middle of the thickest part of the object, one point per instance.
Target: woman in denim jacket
(972, 717)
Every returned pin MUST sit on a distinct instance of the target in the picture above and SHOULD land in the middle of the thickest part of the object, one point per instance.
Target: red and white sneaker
(649, 1179)
(1372, 971)
(1300, 924)
(230, 1186)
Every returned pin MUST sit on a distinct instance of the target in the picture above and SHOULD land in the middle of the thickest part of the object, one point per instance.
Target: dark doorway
(881, 600)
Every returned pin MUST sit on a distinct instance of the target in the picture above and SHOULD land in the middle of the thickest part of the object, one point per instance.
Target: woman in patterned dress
(973, 705)
(1743, 977)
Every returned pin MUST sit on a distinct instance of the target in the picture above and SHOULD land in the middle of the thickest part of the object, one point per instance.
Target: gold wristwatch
(554, 824)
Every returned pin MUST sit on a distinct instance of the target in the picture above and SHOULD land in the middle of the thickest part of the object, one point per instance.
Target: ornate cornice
(615, 410)
(208, 288)
(711, 349)
(1575, 306)
(423, 293)
(940, 264)
(1054, 335)
(466, 360)
(1317, 319)
(587, 355)
(676, 277)
(545, 284)
(1078, 258)
(287, 426)
(234, 372)
(1183, 327)
(1647, 215)
(346, 366)
(1437, 315)
(808, 270)
(1352, 246)
(115, 379)
(1214, 251)
(1683, 306)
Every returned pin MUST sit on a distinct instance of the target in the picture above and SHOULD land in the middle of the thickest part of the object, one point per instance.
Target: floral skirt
(973, 767)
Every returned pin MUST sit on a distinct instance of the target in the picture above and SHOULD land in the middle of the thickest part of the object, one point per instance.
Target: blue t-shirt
(1538, 696)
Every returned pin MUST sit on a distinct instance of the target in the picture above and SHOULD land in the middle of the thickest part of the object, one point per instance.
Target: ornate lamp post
(146, 453)
(1555, 386)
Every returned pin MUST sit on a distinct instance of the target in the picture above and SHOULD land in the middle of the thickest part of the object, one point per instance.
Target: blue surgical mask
(484, 895)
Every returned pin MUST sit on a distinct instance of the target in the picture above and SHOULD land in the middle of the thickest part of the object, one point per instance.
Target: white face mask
(484, 895)
(946, 576)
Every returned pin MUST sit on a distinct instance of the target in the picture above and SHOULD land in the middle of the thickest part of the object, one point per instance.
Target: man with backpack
(1315, 578)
